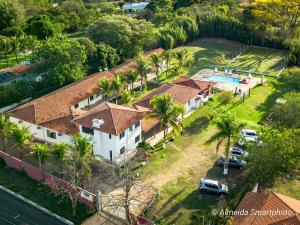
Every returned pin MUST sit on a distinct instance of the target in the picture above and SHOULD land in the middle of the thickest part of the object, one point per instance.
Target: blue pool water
(222, 79)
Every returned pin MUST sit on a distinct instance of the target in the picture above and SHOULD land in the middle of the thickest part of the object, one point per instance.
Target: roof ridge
(114, 124)
(275, 194)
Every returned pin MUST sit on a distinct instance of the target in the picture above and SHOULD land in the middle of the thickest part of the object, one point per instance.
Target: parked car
(212, 186)
(235, 151)
(247, 135)
(233, 161)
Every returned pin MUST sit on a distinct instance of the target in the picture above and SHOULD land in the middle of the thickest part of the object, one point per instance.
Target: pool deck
(241, 88)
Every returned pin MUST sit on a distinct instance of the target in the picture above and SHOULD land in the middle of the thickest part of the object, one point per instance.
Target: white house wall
(41, 132)
(102, 144)
(87, 102)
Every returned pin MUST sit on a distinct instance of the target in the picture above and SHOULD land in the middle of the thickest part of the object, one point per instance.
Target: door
(110, 155)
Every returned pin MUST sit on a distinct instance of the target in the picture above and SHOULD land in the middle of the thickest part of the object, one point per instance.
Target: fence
(85, 197)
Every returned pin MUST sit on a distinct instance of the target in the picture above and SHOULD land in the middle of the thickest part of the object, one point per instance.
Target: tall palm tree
(228, 132)
(156, 61)
(168, 56)
(22, 138)
(41, 153)
(181, 57)
(5, 130)
(117, 86)
(131, 77)
(142, 67)
(59, 151)
(104, 87)
(175, 70)
(167, 112)
(82, 146)
(126, 97)
(81, 153)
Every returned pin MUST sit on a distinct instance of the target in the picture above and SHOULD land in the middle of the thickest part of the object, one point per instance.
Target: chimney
(97, 123)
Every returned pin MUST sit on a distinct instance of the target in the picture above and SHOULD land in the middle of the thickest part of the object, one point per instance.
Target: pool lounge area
(225, 81)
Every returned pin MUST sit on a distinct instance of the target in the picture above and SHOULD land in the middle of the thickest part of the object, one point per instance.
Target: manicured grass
(20, 183)
(260, 60)
(177, 171)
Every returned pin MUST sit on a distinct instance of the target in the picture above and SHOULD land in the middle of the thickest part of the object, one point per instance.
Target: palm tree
(41, 153)
(126, 97)
(131, 77)
(22, 138)
(82, 146)
(5, 130)
(228, 131)
(167, 112)
(181, 57)
(59, 151)
(81, 153)
(168, 55)
(156, 61)
(142, 67)
(104, 87)
(175, 70)
(117, 86)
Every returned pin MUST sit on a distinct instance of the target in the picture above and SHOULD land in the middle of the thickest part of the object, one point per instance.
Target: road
(14, 211)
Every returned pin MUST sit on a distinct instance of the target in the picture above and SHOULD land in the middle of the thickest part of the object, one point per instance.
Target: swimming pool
(222, 79)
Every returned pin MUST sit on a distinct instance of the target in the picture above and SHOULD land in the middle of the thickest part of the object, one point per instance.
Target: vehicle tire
(203, 191)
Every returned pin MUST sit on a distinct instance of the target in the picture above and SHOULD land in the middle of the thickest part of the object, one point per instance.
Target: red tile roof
(204, 86)
(180, 94)
(56, 105)
(116, 118)
(54, 109)
(268, 203)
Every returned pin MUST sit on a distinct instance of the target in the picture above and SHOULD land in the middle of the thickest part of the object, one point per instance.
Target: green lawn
(176, 171)
(260, 60)
(20, 183)
(12, 61)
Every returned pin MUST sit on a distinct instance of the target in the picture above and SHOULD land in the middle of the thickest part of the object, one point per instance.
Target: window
(122, 135)
(87, 130)
(109, 136)
(51, 134)
(130, 128)
(137, 139)
(189, 103)
(91, 98)
(76, 106)
(122, 150)
(211, 186)
(137, 124)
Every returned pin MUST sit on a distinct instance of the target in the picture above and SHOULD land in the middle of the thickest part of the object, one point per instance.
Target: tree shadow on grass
(197, 126)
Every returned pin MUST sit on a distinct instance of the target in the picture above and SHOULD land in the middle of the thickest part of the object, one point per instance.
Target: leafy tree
(106, 57)
(26, 43)
(282, 14)
(225, 97)
(59, 151)
(11, 14)
(41, 153)
(6, 47)
(167, 112)
(61, 60)
(156, 63)
(127, 35)
(287, 112)
(41, 27)
(277, 156)
(228, 132)
(22, 139)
